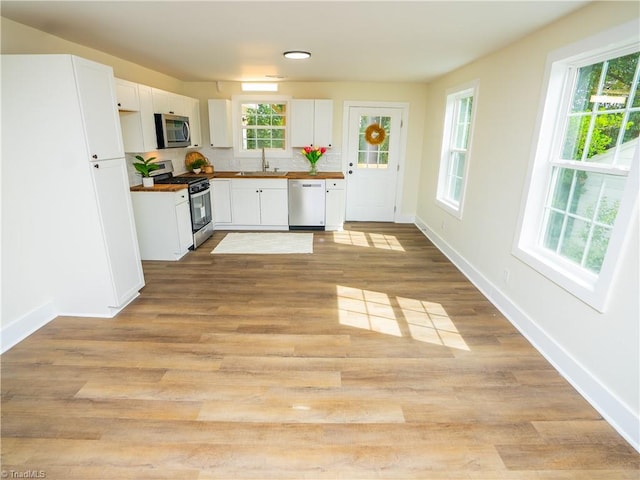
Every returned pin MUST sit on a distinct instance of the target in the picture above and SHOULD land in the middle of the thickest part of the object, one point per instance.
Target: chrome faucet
(265, 164)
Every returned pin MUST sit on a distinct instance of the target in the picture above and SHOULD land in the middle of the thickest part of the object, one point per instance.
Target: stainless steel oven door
(200, 209)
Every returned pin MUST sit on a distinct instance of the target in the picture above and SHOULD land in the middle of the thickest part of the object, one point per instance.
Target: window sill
(450, 208)
(585, 286)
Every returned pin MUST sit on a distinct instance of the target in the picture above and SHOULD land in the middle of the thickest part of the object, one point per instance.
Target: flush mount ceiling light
(297, 54)
(259, 87)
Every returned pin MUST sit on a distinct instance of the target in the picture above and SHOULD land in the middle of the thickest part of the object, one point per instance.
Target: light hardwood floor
(371, 358)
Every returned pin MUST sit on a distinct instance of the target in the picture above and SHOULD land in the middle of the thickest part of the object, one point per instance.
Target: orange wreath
(374, 134)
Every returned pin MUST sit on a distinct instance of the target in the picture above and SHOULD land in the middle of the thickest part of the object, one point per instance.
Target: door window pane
(373, 142)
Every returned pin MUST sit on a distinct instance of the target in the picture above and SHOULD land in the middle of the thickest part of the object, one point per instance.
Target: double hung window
(262, 124)
(456, 144)
(582, 189)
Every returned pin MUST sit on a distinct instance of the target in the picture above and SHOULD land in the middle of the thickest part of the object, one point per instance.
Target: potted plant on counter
(197, 164)
(144, 168)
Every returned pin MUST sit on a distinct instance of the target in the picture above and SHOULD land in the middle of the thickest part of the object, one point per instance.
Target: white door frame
(404, 112)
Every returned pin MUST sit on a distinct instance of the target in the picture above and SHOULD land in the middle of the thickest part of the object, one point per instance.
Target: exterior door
(373, 152)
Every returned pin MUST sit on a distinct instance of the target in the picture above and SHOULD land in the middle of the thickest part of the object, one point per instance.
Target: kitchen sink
(261, 174)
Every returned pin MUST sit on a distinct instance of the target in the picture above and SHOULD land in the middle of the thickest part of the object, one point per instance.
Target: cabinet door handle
(94, 156)
(96, 166)
(350, 172)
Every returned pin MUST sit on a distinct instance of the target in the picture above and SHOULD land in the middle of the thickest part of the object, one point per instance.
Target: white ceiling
(379, 41)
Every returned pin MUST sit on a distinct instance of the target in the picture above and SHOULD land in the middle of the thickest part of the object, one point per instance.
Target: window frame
(591, 288)
(454, 96)
(236, 103)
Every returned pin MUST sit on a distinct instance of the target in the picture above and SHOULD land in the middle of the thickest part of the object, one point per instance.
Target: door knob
(350, 172)
(351, 164)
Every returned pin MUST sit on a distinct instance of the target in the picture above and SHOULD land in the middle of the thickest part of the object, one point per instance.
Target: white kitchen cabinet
(91, 265)
(160, 101)
(179, 105)
(220, 128)
(127, 95)
(139, 128)
(111, 184)
(260, 203)
(96, 90)
(169, 102)
(221, 201)
(194, 121)
(335, 204)
(163, 223)
(311, 123)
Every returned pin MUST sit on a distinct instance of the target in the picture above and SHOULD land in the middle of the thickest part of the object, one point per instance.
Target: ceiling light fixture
(297, 54)
(259, 87)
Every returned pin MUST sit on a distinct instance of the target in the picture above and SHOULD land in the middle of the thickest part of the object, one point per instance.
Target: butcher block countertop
(165, 187)
(171, 187)
(287, 175)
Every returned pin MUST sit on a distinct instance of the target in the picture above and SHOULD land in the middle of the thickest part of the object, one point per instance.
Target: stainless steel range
(199, 199)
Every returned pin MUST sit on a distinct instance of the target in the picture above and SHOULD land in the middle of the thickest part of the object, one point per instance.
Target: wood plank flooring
(372, 358)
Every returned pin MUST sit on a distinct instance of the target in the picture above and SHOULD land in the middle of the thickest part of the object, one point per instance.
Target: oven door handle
(200, 194)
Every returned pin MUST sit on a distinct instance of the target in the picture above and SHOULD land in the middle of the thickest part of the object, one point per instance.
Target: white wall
(413, 94)
(598, 353)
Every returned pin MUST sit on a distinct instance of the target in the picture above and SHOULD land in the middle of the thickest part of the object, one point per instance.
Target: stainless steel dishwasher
(306, 204)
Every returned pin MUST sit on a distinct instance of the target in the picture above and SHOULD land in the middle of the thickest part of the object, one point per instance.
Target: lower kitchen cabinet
(260, 203)
(163, 223)
(221, 202)
(335, 204)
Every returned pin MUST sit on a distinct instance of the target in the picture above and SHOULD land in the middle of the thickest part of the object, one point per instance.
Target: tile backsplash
(223, 159)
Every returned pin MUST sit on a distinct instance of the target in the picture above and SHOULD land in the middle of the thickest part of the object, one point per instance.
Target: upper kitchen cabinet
(220, 130)
(172, 103)
(138, 127)
(311, 123)
(96, 90)
(127, 95)
(194, 121)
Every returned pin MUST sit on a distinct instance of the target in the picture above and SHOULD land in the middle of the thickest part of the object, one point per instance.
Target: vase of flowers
(313, 154)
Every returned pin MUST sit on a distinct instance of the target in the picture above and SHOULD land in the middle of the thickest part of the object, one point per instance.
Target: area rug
(265, 243)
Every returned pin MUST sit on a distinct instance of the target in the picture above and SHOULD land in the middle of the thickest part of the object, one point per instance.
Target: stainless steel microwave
(172, 131)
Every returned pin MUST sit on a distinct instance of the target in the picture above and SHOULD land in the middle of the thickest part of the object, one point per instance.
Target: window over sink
(261, 122)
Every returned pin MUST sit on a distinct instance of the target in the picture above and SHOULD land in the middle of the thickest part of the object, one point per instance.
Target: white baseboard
(613, 410)
(20, 329)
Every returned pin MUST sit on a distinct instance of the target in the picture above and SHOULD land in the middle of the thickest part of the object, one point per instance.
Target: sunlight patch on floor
(398, 316)
(362, 239)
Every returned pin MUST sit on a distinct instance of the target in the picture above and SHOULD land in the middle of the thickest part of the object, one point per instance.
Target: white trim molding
(612, 408)
(20, 329)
